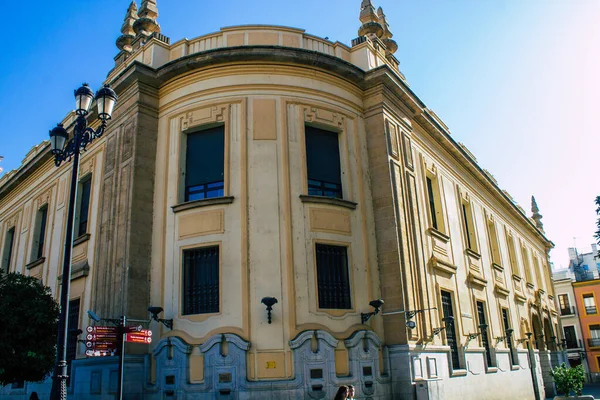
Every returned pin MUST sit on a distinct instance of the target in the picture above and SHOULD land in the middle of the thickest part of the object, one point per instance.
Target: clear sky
(517, 81)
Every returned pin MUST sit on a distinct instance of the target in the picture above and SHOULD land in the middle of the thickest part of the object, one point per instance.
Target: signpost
(106, 341)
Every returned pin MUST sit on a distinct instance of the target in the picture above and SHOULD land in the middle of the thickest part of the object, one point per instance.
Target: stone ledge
(202, 203)
(81, 239)
(443, 265)
(35, 263)
(328, 200)
(491, 370)
(477, 280)
(458, 372)
(78, 270)
(440, 235)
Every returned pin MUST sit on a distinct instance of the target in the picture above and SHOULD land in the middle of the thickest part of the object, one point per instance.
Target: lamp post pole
(82, 136)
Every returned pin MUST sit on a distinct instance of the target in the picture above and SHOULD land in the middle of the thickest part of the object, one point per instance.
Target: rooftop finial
(537, 217)
(127, 33)
(146, 25)
(386, 38)
(370, 22)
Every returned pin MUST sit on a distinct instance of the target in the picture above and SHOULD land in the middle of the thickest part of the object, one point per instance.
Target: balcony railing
(591, 310)
(567, 311)
(594, 342)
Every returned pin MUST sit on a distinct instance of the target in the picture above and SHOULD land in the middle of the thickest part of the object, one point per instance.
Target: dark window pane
(43, 215)
(332, 277)
(448, 311)
(8, 249)
(508, 339)
(204, 163)
(84, 206)
(431, 203)
(570, 337)
(201, 281)
(72, 326)
(466, 222)
(484, 333)
(323, 162)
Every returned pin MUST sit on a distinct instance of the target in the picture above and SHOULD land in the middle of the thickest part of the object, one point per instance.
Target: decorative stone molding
(443, 266)
(328, 200)
(203, 116)
(501, 290)
(78, 270)
(477, 280)
(35, 263)
(323, 116)
(190, 205)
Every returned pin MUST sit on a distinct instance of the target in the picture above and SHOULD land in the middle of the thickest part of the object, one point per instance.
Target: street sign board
(132, 329)
(141, 336)
(100, 353)
(102, 329)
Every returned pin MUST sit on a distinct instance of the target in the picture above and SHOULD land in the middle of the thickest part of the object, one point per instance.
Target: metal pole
(59, 384)
(532, 368)
(121, 357)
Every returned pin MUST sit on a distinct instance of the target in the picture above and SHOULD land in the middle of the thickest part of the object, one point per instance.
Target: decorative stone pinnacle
(537, 217)
(132, 15)
(387, 35)
(127, 32)
(146, 25)
(149, 9)
(370, 22)
(367, 12)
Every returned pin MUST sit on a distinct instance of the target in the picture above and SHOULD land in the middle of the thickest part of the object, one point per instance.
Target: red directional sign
(141, 336)
(101, 341)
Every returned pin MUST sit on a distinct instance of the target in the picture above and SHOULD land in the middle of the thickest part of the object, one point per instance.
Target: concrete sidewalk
(588, 388)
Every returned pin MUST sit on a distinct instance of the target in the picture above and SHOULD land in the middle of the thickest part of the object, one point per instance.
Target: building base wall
(405, 373)
(424, 374)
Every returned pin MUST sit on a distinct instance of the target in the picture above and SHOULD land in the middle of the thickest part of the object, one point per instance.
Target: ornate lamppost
(83, 135)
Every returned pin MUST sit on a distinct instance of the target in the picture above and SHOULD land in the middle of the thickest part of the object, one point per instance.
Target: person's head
(34, 396)
(351, 391)
(342, 393)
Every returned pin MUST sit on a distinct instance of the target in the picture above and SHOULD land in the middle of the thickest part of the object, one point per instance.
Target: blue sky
(517, 81)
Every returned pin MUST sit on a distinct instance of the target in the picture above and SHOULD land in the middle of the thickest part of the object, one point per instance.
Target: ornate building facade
(261, 161)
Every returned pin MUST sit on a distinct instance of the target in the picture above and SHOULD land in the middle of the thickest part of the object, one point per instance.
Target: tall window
(469, 225)
(538, 271)
(565, 306)
(73, 325)
(484, 332)
(526, 264)
(8, 249)
(205, 164)
(448, 313)
(510, 243)
(590, 304)
(509, 340)
(594, 340)
(40, 232)
(570, 337)
(435, 204)
(201, 280)
(83, 206)
(323, 163)
(333, 280)
(493, 240)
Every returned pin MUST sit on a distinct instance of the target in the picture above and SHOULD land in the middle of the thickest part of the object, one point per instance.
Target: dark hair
(341, 393)
(34, 396)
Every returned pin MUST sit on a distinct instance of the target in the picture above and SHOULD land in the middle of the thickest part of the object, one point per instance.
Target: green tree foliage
(597, 235)
(28, 329)
(568, 380)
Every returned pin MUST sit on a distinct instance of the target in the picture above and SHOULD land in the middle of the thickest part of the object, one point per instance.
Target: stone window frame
(332, 121)
(195, 120)
(331, 311)
(468, 223)
(88, 177)
(180, 287)
(432, 173)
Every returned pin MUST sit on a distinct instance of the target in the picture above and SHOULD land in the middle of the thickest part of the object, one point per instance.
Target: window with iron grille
(485, 341)
(205, 164)
(72, 326)
(323, 162)
(448, 313)
(83, 206)
(332, 277)
(201, 280)
(8, 249)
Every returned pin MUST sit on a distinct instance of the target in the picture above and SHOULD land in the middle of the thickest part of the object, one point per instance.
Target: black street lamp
(83, 135)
